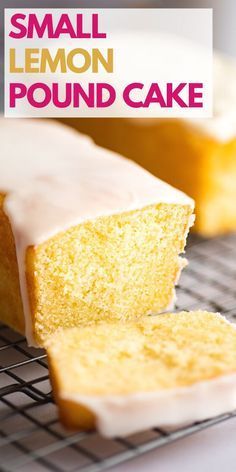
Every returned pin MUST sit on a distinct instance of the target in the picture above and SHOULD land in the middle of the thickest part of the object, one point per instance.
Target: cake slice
(196, 156)
(85, 234)
(163, 370)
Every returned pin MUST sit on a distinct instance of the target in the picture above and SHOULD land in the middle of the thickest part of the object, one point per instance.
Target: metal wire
(31, 437)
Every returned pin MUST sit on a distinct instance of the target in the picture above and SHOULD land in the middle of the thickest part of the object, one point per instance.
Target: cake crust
(11, 308)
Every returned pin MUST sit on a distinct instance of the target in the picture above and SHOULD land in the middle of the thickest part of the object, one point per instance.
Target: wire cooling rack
(31, 437)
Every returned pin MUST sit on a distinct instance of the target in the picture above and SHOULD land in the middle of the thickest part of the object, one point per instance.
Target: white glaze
(124, 415)
(55, 178)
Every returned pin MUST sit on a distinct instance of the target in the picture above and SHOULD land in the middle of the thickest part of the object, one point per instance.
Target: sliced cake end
(163, 370)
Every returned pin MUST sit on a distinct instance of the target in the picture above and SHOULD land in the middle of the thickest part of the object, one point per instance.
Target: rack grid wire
(31, 437)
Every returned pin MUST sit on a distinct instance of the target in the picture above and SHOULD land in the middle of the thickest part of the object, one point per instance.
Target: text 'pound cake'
(163, 370)
(85, 235)
(197, 156)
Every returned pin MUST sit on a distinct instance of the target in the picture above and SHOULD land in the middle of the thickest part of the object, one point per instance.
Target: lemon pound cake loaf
(84, 234)
(163, 370)
(196, 156)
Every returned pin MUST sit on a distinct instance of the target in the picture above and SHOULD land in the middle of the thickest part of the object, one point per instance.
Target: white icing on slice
(124, 415)
(121, 415)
